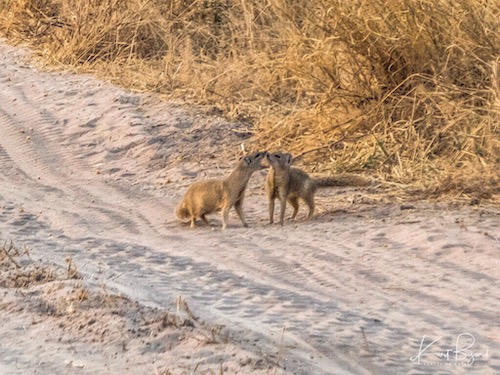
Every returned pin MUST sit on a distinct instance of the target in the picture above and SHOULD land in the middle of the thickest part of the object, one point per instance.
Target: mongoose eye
(277, 156)
(258, 155)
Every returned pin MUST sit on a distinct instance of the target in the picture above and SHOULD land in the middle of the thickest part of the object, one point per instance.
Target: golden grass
(405, 90)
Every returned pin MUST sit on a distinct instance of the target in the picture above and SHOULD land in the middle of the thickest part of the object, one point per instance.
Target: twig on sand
(367, 348)
(280, 349)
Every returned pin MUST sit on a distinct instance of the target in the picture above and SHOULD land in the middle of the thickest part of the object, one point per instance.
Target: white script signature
(460, 354)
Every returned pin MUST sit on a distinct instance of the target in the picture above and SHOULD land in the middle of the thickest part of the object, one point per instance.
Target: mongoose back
(205, 197)
(290, 184)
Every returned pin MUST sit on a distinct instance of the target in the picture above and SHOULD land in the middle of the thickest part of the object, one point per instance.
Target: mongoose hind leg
(203, 217)
(310, 203)
(193, 222)
(295, 204)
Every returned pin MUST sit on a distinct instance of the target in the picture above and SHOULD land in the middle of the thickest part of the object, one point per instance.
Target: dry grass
(405, 90)
(18, 270)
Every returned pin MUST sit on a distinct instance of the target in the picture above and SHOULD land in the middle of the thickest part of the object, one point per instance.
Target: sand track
(91, 171)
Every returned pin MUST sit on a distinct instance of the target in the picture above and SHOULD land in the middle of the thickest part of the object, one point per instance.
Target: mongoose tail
(344, 180)
(182, 212)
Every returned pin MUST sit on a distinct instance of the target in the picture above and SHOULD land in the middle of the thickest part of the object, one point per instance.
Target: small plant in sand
(71, 269)
(5, 252)
(19, 270)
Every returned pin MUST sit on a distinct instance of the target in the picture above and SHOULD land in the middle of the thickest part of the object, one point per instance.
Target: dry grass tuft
(18, 270)
(408, 91)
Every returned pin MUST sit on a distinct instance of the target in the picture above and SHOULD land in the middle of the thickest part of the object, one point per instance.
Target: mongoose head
(280, 161)
(253, 161)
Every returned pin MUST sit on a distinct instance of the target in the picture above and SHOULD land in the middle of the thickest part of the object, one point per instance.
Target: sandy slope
(91, 171)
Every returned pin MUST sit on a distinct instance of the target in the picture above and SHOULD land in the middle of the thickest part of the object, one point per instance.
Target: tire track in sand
(32, 139)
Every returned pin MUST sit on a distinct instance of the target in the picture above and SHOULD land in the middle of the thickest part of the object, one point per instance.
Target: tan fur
(290, 184)
(205, 197)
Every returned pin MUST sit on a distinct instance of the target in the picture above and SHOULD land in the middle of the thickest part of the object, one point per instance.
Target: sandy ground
(91, 172)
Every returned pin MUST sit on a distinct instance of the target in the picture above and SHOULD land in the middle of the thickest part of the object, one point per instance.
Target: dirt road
(91, 171)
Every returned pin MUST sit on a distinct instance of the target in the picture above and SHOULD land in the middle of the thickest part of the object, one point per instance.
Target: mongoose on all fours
(205, 197)
(291, 184)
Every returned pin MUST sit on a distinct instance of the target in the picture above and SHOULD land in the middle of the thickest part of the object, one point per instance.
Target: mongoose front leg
(271, 210)
(238, 206)
(225, 216)
(283, 208)
(193, 222)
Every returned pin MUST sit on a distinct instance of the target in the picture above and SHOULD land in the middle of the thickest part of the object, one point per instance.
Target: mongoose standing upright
(290, 184)
(205, 197)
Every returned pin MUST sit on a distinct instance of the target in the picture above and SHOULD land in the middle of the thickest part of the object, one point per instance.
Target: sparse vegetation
(408, 91)
(74, 313)
(19, 271)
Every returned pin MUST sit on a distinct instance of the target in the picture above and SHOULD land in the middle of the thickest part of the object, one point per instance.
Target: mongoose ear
(289, 159)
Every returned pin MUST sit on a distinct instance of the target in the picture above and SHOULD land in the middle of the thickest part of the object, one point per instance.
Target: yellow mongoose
(205, 197)
(290, 184)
